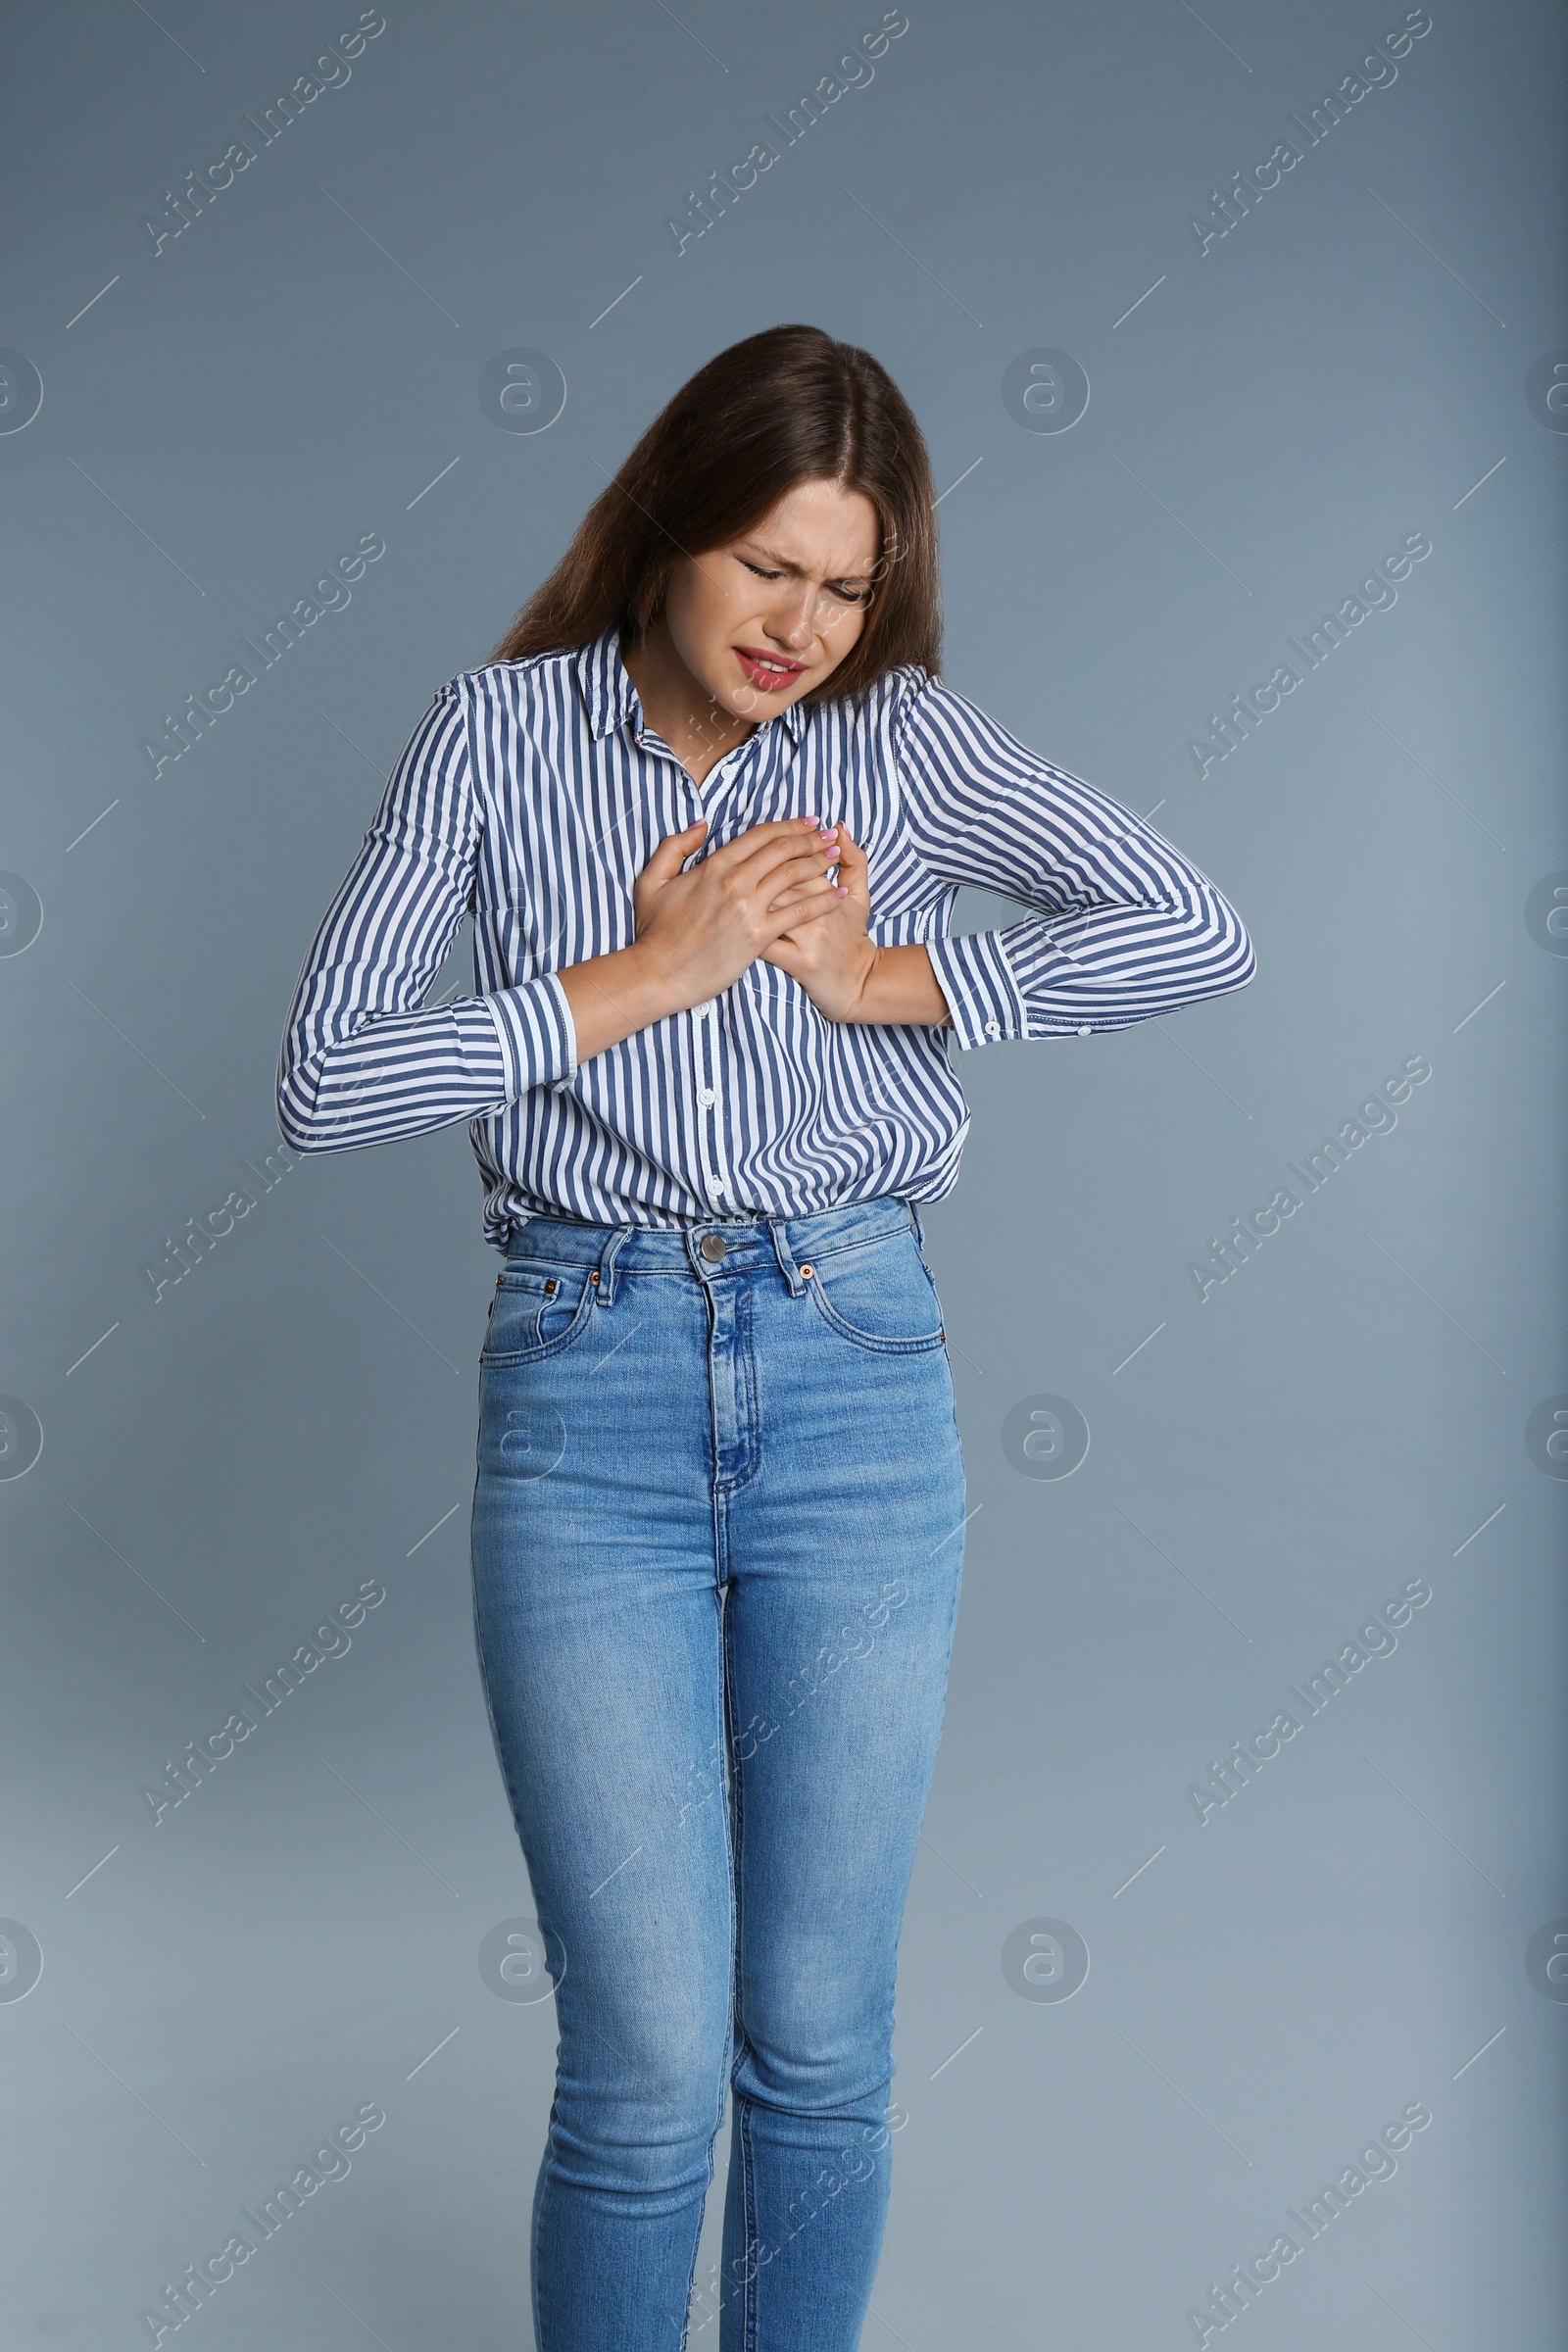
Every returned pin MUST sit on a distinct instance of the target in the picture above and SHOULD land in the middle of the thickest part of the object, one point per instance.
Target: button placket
(705, 1058)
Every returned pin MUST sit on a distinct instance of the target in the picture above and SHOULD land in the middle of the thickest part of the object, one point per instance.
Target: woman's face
(763, 619)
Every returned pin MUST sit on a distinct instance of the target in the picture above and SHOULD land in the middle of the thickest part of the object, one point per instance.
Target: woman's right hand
(697, 932)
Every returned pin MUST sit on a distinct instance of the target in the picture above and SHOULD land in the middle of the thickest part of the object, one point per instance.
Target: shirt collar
(612, 701)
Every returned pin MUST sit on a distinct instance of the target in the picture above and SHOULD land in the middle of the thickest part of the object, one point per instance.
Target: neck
(677, 705)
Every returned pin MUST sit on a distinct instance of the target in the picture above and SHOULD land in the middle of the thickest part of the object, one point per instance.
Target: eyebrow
(783, 564)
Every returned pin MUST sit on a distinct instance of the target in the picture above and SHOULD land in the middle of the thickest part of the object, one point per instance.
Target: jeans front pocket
(537, 1311)
(879, 1296)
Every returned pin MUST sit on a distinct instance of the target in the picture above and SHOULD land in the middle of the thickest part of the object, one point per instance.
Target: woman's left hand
(847, 975)
(831, 955)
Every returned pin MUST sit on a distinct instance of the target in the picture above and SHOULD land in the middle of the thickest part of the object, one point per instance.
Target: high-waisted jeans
(718, 1543)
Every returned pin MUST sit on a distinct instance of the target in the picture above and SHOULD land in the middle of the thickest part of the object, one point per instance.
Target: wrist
(654, 977)
(639, 969)
(613, 996)
(869, 988)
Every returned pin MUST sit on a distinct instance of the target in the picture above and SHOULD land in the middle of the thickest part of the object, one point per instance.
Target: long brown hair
(788, 406)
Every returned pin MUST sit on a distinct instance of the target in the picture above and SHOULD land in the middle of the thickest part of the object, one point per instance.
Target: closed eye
(839, 588)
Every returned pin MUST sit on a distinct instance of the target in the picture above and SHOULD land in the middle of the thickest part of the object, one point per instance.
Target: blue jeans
(718, 1544)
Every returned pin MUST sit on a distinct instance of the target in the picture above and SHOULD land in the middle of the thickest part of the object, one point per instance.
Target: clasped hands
(793, 892)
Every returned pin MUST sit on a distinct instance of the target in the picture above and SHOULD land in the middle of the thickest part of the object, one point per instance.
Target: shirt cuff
(537, 1033)
(984, 999)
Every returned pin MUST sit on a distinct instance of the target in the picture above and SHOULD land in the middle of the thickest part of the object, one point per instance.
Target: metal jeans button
(714, 1246)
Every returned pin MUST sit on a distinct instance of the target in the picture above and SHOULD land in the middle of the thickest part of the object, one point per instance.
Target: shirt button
(1083, 1032)
(702, 1012)
(705, 1096)
(992, 1028)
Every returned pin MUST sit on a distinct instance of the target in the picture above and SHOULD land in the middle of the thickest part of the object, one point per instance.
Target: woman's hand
(846, 975)
(700, 929)
(697, 932)
(831, 955)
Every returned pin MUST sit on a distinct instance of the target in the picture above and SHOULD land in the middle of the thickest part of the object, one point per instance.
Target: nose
(789, 623)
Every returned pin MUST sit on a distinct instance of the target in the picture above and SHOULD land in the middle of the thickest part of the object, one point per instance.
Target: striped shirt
(531, 795)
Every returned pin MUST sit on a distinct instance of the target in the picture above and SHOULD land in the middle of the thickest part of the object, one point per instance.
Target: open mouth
(769, 671)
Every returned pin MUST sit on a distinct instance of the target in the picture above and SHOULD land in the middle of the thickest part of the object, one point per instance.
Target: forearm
(1124, 927)
(901, 987)
(612, 997)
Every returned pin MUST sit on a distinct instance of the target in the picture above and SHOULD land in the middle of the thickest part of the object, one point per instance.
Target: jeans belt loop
(920, 1229)
(778, 1229)
(605, 1278)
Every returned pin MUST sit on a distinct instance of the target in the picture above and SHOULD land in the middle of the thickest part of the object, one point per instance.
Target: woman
(709, 805)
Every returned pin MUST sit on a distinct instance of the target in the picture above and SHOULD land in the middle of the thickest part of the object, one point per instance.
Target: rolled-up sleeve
(1125, 927)
(363, 1060)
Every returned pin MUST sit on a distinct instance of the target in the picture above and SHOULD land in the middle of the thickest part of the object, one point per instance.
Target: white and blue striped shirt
(531, 795)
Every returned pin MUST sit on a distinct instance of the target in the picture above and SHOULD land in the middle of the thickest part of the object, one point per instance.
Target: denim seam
(545, 2339)
(745, 1380)
(484, 1684)
(721, 1711)
(506, 1782)
(744, 1385)
(732, 1838)
(751, 2270)
(740, 2133)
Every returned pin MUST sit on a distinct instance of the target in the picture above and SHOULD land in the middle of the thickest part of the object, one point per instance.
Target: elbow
(299, 1122)
(301, 1138)
(1213, 953)
(1222, 943)
(1243, 956)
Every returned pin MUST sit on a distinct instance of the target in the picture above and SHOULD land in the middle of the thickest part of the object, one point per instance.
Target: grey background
(298, 1414)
